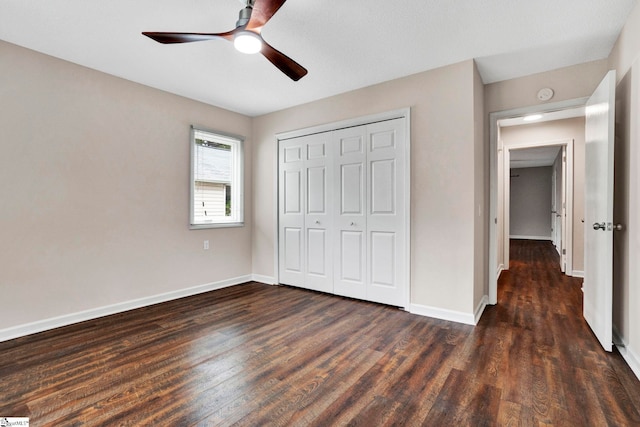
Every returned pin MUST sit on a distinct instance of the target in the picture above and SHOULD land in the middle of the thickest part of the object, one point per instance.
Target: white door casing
(496, 187)
(565, 241)
(599, 150)
(554, 210)
(566, 211)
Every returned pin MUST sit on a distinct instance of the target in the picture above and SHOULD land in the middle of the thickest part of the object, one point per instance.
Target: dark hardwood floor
(256, 355)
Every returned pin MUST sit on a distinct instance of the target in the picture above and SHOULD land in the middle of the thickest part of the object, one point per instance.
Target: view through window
(216, 179)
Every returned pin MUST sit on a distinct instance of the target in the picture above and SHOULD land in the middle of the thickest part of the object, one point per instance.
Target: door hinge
(564, 252)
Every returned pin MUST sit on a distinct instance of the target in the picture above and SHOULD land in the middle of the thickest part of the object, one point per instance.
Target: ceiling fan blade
(287, 65)
(168, 38)
(263, 10)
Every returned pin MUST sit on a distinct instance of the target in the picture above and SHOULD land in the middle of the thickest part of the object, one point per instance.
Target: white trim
(357, 121)
(407, 210)
(627, 353)
(81, 316)
(499, 270)
(276, 215)
(443, 314)
(493, 176)
(518, 236)
(261, 278)
(237, 180)
(480, 308)
(577, 273)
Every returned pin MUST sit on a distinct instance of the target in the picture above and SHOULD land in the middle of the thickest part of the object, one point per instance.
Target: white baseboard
(500, 270)
(577, 273)
(443, 314)
(69, 319)
(627, 353)
(260, 278)
(480, 308)
(530, 237)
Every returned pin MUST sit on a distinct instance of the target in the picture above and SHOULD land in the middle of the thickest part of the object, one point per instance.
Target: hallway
(554, 368)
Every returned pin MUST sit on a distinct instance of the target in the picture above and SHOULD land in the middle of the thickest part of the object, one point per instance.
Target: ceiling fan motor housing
(244, 16)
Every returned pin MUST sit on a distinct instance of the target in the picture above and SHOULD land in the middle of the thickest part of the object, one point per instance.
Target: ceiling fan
(245, 37)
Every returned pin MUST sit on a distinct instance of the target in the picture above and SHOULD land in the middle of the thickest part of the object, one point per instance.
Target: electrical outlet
(206, 245)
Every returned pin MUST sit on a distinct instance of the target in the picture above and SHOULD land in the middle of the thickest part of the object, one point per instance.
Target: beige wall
(94, 174)
(625, 58)
(442, 176)
(530, 203)
(573, 82)
(553, 131)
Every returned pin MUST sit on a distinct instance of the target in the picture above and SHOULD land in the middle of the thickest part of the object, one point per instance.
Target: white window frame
(236, 219)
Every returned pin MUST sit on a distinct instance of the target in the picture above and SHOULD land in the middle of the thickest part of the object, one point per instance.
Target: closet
(342, 211)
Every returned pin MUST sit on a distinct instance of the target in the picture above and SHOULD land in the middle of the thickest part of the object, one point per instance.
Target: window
(216, 179)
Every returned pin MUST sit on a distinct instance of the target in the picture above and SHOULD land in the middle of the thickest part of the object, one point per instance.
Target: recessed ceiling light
(532, 117)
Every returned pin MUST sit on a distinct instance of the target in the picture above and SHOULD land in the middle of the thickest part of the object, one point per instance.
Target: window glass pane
(216, 179)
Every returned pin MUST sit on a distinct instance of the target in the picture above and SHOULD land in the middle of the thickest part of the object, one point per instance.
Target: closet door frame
(404, 113)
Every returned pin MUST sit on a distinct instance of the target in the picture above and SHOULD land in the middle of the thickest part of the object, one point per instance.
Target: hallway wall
(530, 203)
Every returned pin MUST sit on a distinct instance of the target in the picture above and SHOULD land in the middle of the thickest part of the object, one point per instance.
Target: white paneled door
(305, 218)
(599, 144)
(319, 217)
(291, 212)
(350, 218)
(342, 212)
(385, 212)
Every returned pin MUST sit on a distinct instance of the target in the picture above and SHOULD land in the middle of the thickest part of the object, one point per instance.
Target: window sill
(216, 225)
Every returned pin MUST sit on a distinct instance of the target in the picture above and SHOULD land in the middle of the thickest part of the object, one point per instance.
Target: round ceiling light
(247, 42)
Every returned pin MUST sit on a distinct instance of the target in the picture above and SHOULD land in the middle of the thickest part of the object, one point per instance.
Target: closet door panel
(319, 216)
(351, 258)
(292, 182)
(383, 177)
(293, 250)
(385, 253)
(383, 259)
(352, 189)
(350, 216)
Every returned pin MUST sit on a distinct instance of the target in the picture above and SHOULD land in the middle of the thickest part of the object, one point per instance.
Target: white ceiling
(533, 157)
(345, 45)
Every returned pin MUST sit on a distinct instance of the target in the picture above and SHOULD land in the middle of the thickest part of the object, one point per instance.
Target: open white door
(598, 281)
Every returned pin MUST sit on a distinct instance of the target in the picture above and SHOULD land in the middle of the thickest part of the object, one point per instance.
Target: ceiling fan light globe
(247, 42)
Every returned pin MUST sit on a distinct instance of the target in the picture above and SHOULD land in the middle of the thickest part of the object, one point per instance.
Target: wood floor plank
(280, 356)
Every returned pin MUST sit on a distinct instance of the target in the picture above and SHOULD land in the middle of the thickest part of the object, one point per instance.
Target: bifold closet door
(305, 218)
(369, 249)
(386, 221)
(350, 217)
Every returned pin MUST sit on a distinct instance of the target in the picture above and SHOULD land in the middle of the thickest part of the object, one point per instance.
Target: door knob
(353, 223)
(599, 226)
(317, 222)
(618, 227)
